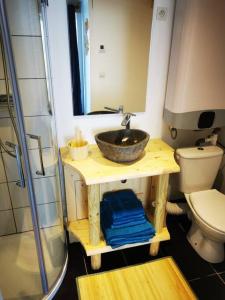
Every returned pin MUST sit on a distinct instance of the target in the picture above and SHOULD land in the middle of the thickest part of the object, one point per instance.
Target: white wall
(151, 120)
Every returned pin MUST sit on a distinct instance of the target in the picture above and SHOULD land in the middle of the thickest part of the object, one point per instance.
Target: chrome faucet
(119, 110)
(126, 119)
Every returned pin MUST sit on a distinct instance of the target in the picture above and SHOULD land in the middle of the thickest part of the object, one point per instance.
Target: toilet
(199, 167)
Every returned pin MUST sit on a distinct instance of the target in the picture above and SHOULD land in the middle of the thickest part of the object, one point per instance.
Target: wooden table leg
(96, 262)
(94, 222)
(160, 208)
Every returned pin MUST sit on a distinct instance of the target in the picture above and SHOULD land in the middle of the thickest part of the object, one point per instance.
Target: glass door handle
(38, 139)
(21, 182)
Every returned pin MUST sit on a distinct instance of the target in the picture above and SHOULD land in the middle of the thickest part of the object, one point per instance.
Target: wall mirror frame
(109, 54)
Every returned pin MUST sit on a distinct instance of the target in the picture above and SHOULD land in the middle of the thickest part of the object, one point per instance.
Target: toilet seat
(209, 205)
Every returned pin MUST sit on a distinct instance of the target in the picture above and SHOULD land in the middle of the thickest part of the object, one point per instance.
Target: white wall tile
(40, 126)
(2, 171)
(7, 131)
(2, 85)
(5, 202)
(34, 96)
(23, 219)
(3, 111)
(28, 55)
(23, 17)
(18, 195)
(46, 190)
(1, 66)
(49, 160)
(7, 224)
(10, 167)
(49, 214)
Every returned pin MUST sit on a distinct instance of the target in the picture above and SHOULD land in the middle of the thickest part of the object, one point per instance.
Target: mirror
(109, 49)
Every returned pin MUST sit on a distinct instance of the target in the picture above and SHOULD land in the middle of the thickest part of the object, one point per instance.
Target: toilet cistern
(199, 167)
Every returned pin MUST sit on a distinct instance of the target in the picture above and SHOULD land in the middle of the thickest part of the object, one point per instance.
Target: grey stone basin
(123, 145)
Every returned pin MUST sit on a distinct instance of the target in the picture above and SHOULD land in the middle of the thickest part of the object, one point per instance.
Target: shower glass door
(32, 237)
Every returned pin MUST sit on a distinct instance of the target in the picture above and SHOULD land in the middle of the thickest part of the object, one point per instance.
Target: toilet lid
(210, 206)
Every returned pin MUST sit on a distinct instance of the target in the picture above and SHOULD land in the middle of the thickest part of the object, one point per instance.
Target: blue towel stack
(123, 219)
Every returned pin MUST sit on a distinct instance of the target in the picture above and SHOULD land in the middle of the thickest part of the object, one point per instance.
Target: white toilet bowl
(207, 233)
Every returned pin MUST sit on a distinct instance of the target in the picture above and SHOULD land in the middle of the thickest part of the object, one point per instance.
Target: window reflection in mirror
(109, 49)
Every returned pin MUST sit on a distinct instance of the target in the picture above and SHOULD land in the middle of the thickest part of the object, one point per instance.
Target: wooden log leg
(160, 208)
(96, 261)
(94, 222)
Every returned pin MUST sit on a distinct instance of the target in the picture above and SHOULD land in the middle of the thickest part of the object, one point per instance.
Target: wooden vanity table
(158, 161)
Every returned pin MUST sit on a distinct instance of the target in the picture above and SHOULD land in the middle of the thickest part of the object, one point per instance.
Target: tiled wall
(15, 214)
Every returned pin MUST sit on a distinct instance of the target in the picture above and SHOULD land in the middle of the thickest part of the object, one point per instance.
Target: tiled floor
(207, 280)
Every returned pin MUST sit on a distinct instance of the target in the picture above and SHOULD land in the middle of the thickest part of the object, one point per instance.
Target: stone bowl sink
(123, 145)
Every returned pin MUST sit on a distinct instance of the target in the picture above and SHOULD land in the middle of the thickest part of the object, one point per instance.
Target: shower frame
(48, 294)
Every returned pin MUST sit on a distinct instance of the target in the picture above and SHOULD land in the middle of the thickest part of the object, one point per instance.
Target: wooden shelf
(80, 229)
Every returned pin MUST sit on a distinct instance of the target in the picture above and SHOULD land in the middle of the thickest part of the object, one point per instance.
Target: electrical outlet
(161, 13)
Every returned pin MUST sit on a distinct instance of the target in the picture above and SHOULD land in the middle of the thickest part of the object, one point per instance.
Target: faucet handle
(129, 114)
(126, 119)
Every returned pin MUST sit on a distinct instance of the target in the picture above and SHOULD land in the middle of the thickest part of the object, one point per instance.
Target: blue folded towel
(123, 203)
(116, 239)
(121, 206)
(123, 219)
(106, 215)
(145, 228)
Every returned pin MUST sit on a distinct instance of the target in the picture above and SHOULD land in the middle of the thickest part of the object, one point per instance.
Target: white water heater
(195, 97)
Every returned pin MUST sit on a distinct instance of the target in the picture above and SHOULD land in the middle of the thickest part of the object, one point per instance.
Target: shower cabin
(33, 252)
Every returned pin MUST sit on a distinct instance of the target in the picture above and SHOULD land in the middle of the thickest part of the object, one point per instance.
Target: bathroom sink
(123, 145)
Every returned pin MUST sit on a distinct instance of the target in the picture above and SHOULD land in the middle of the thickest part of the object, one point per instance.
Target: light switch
(101, 74)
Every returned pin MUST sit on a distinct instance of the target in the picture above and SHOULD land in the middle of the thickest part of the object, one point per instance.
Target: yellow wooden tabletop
(157, 280)
(158, 159)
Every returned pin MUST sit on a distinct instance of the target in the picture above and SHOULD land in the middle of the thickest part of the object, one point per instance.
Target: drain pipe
(176, 208)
